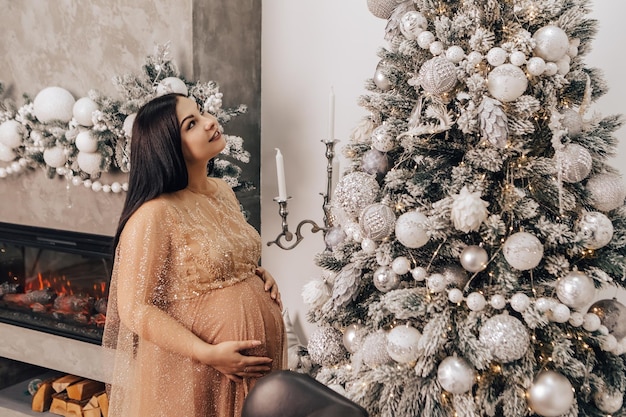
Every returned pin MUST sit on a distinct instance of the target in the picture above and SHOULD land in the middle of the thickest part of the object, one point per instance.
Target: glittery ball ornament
(505, 336)
(550, 395)
(375, 162)
(612, 315)
(326, 347)
(575, 290)
(596, 229)
(437, 76)
(456, 375)
(607, 191)
(11, 133)
(507, 82)
(383, 139)
(83, 110)
(608, 402)
(402, 343)
(171, 85)
(468, 210)
(410, 229)
(355, 191)
(523, 251)
(551, 43)
(53, 103)
(353, 337)
(382, 8)
(377, 221)
(575, 163)
(474, 258)
(412, 23)
(385, 279)
(374, 349)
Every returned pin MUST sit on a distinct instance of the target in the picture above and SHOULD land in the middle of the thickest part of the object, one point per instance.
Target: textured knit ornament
(468, 210)
(402, 343)
(377, 221)
(607, 191)
(507, 82)
(595, 229)
(437, 76)
(505, 336)
(612, 315)
(326, 347)
(575, 163)
(493, 122)
(355, 191)
(382, 8)
(456, 375)
(550, 395)
(576, 289)
(523, 251)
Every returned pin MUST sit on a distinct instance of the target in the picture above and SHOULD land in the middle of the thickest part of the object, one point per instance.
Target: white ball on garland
(171, 85)
(550, 394)
(83, 110)
(591, 322)
(595, 229)
(496, 56)
(402, 343)
(128, 124)
(536, 66)
(551, 43)
(437, 75)
(401, 265)
(576, 163)
(410, 229)
(476, 301)
(505, 336)
(425, 39)
(11, 133)
(326, 347)
(455, 54)
(55, 156)
(6, 154)
(436, 283)
(89, 162)
(355, 191)
(551, 69)
(523, 251)
(53, 103)
(517, 58)
(377, 221)
(607, 191)
(456, 375)
(86, 141)
(507, 82)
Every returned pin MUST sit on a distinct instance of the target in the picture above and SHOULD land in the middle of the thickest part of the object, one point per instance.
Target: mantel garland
(82, 139)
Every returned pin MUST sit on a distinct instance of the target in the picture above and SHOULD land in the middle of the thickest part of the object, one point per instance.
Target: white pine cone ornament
(493, 122)
(468, 210)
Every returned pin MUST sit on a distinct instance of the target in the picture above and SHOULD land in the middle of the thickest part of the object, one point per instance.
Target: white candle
(331, 114)
(280, 174)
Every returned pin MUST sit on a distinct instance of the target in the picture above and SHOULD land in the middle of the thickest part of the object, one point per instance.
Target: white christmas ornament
(11, 133)
(536, 66)
(436, 48)
(517, 58)
(575, 162)
(507, 82)
(455, 295)
(53, 103)
(551, 394)
(560, 313)
(6, 154)
(355, 191)
(412, 23)
(377, 221)
(497, 301)
(128, 124)
(89, 162)
(572, 121)
(474, 258)
(596, 229)
(326, 347)
(353, 337)
(410, 229)
(385, 279)
(86, 141)
(382, 139)
(368, 245)
(419, 273)
(374, 349)
(172, 85)
(437, 75)
(520, 302)
(83, 110)
(380, 78)
(608, 402)
(401, 265)
(505, 336)
(496, 56)
(607, 191)
(474, 58)
(436, 283)
(402, 343)
(576, 318)
(551, 43)
(456, 375)
(425, 38)
(591, 322)
(468, 210)
(523, 251)
(476, 301)
(455, 54)
(55, 156)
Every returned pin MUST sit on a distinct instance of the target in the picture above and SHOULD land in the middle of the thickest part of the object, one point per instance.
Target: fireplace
(54, 281)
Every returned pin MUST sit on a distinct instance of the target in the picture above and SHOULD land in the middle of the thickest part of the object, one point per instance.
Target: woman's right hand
(227, 358)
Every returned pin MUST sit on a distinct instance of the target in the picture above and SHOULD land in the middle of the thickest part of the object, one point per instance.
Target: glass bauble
(474, 258)
(612, 315)
(375, 162)
(385, 279)
(353, 337)
(412, 23)
(334, 237)
(523, 251)
(410, 229)
(596, 229)
(551, 43)
(383, 139)
(505, 336)
(456, 375)
(507, 82)
(402, 343)
(575, 290)
(380, 77)
(550, 394)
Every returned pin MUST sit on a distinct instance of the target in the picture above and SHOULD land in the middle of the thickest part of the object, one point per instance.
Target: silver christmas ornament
(375, 162)
(575, 290)
(437, 76)
(412, 23)
(474, 258)
(612, 314)
(326, 347)
(551, 394)
(608, 402)
(455, 276)
(380, 77)
(382, 8)
(383, 139)
(353, 337)
(551, 43)
(507, 82)
(377, 221)
(355, 191)
(410, 229)
(374, 349)
(385, 279)
(402, 343)
(596, 229)
(456, 375)
(523, 251)
(493, 122)
(436, 283)
(334, 236)
(607, 191)
(572, 121)
(575, 163)
(505, 336)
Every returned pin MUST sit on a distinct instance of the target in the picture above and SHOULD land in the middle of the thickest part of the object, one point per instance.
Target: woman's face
(200, 132)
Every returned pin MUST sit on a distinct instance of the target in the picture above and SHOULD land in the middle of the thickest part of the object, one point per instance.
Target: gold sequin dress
(191, 257)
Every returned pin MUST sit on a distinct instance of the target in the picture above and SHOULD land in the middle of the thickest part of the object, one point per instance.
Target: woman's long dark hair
(157, 165)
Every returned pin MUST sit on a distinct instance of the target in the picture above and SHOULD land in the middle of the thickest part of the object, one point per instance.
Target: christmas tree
(477, 222)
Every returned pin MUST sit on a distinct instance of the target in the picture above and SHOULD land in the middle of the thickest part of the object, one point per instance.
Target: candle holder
(288, 236)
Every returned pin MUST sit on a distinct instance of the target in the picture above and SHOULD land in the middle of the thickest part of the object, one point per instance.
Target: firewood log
(84, 389)
(103, 402)
(92, 412)
(59, 404)
(43, 397)
(62, 383)
(75, 408)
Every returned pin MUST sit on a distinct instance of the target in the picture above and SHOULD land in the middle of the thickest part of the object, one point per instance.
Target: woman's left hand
(270, 285)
